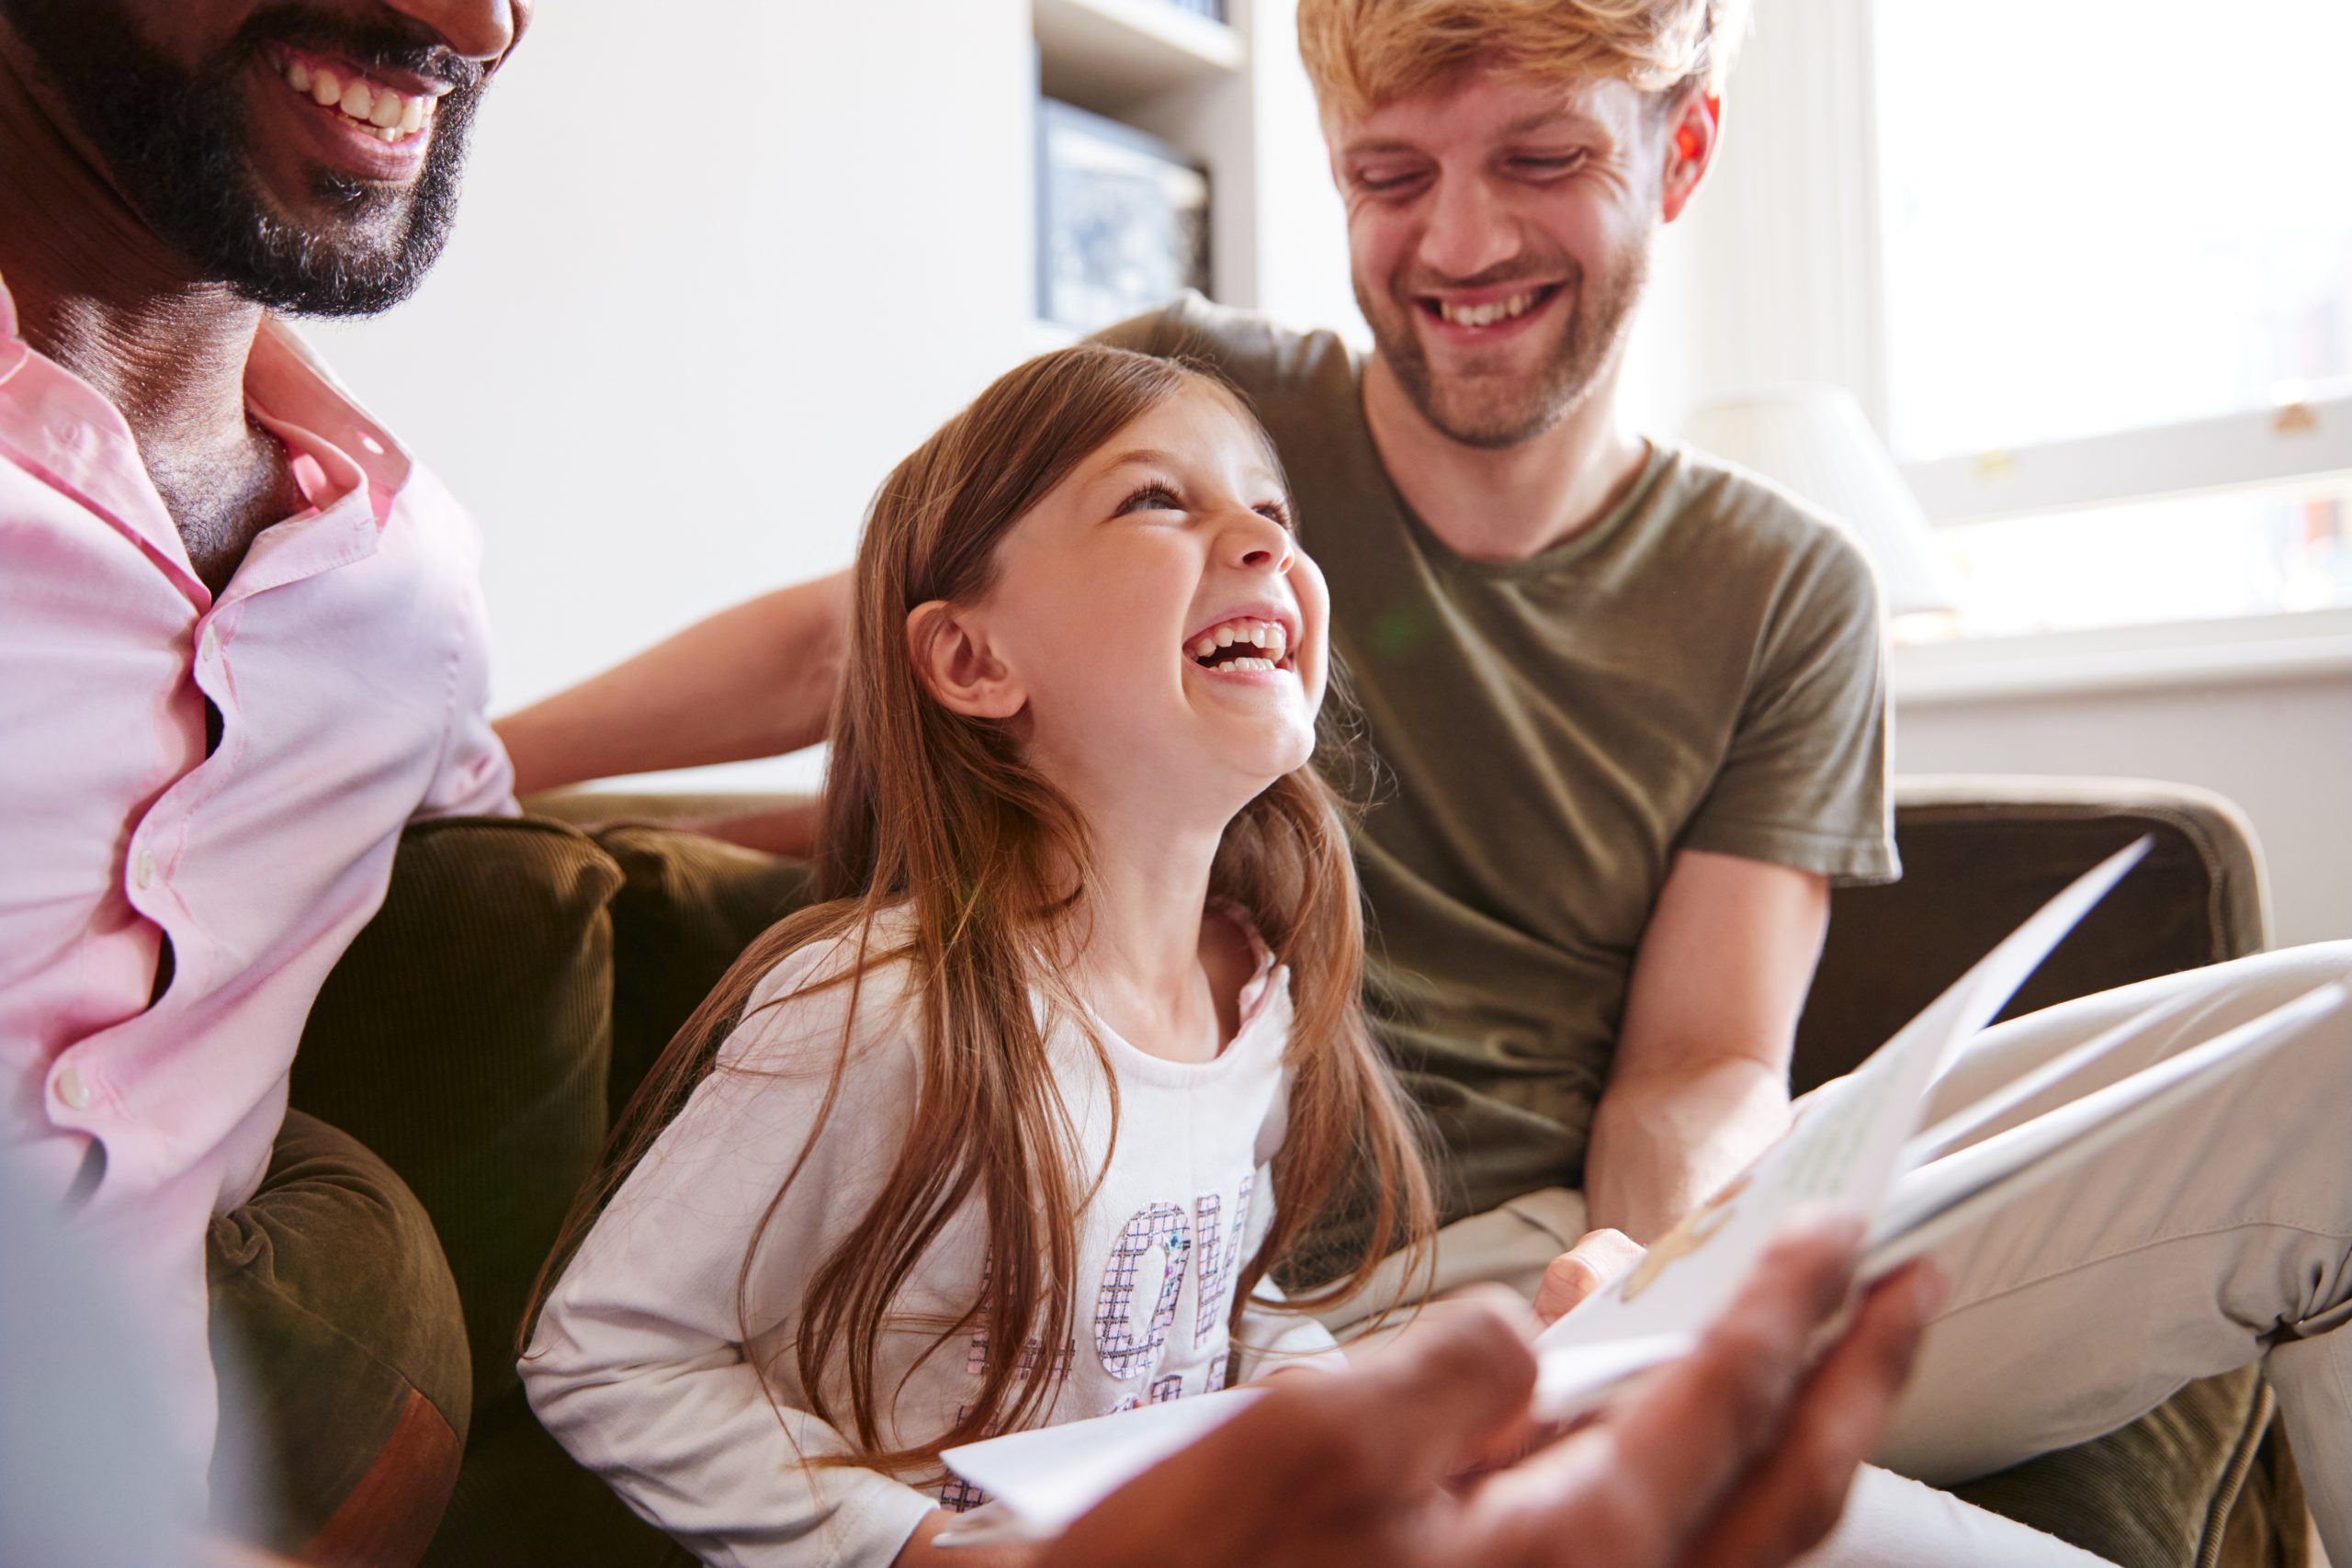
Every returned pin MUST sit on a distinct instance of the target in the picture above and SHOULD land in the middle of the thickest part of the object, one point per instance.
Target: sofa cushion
(2190, 1483)
(466, 1038)
(686, 907)
(1981, 854)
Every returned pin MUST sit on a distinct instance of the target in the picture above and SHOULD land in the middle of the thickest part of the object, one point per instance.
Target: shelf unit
(1233, 95)
(1180, 76)
(1105, 55)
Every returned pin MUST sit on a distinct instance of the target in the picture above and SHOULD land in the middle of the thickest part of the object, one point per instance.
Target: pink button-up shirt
(346, 659)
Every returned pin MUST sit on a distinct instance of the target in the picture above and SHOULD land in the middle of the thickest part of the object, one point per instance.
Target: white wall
(691, 315)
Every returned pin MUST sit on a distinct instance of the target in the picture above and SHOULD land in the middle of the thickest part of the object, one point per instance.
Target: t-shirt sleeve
(1803, 783)
(639, 1364)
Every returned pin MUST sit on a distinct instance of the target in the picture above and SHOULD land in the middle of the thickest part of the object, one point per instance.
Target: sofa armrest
(1981, 852)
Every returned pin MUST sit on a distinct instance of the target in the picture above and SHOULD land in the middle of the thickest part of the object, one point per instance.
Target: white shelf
(1108, 55)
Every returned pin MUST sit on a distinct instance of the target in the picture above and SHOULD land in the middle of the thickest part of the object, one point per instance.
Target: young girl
(1010, 1129)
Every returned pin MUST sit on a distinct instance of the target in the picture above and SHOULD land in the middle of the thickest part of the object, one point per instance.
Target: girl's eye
(1275, 512)
(1152, 497)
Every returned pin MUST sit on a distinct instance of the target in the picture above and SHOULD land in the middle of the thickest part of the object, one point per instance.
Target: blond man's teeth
(383, 113)
(1489, 313)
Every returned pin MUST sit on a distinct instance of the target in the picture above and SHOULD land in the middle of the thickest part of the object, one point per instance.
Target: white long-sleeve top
(639, 1368)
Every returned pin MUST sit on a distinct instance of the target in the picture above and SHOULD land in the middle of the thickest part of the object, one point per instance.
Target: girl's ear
(952, 658)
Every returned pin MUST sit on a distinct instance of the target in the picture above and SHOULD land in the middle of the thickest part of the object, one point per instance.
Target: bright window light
(2104, 215)
(2195, 558)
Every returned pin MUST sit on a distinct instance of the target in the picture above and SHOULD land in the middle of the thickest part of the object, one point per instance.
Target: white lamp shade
(1812, 440)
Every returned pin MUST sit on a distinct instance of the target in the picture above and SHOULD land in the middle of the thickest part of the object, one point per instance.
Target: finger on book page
(1326, 1460)
(1682, 1439)
(1597, 1257)
(1791, 1500)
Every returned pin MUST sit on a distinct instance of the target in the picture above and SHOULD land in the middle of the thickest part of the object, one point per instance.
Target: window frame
(2305, 440)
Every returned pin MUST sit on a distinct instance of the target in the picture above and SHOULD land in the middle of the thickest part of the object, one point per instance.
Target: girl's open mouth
(1242, 645)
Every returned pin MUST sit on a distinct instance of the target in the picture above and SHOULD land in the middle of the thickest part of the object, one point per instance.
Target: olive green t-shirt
(1701, 668)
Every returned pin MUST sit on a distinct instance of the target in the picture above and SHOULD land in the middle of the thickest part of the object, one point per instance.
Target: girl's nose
(1261, 544)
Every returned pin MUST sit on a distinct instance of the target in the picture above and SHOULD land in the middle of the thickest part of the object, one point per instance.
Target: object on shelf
(1123, 220)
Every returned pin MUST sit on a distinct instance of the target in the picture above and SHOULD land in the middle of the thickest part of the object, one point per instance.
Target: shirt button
(208, 647)
(72, 1092)
(142, 866)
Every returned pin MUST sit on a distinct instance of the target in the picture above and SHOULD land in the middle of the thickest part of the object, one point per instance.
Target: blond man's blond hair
(1364, 55)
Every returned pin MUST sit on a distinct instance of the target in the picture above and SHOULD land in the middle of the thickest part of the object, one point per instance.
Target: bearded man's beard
(1495, 412)
(174, 140)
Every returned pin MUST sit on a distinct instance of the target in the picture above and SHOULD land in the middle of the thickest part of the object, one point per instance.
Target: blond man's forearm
(754, 681)
(1662, 1143)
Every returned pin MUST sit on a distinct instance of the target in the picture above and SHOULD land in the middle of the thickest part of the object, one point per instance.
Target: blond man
(1630, 706)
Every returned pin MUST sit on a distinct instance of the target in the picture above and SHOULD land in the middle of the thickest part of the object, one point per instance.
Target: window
(2115, 247)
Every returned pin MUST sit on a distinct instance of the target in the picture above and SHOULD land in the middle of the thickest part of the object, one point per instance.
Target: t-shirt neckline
(1661, 456)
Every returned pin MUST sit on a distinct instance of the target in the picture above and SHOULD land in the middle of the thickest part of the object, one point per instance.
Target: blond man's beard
(1488, 411)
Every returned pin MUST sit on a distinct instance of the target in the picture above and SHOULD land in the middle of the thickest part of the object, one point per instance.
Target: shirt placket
(282, 556)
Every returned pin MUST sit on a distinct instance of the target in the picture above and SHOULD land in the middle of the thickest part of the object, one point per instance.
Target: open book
(1857, 1145)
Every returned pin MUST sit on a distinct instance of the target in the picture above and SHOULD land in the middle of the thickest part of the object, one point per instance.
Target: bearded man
(242, 647)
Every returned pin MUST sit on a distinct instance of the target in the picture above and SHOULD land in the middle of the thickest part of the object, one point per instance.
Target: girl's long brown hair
(937, 815)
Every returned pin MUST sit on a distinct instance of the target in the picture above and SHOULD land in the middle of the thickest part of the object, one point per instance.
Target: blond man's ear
(1691, 138)
(953, 658)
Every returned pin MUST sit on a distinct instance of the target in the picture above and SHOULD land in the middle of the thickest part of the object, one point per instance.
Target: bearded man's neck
(96, 291)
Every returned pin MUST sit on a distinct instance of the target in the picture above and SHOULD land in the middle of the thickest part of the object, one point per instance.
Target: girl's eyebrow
(1141, 458)
(1154, 457)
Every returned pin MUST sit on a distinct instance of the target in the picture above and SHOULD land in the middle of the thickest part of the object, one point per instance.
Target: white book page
(1844, 1152)
(1048, 1476)
(1931, 1202)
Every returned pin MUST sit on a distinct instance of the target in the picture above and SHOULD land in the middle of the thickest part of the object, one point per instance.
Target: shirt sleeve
(474, 777)
(637, 1365)
(1803, 782)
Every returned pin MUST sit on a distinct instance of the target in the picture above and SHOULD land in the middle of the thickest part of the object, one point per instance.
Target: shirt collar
(14, 349)
(287, 387)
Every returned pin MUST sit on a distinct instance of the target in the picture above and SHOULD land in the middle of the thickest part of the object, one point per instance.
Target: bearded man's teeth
(379, 111)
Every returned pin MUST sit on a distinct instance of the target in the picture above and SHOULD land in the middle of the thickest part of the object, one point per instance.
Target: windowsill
(2181, 655)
